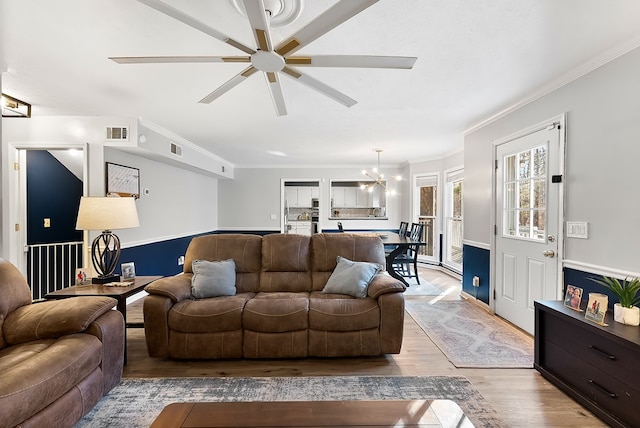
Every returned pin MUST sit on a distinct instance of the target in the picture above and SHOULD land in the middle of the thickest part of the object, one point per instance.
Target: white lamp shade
(107, 213)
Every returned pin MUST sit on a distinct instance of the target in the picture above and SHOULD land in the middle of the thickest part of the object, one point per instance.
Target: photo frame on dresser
(573, 297)
(596, 308)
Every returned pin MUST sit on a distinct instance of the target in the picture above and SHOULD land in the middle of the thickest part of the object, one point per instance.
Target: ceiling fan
(277, 60)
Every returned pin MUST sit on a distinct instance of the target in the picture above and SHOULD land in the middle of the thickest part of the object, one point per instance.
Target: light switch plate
(578, 229)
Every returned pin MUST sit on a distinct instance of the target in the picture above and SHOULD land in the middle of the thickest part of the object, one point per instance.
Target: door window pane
(524, 194)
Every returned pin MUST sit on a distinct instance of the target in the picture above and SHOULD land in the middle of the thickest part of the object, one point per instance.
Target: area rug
(425, 288)
(137, 402)
(470, 336)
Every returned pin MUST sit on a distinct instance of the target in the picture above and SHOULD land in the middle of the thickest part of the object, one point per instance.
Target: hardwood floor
(522, 396)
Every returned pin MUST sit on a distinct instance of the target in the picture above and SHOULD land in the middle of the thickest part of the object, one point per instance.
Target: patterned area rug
(470, 336)
(425, 288)
(137, 402)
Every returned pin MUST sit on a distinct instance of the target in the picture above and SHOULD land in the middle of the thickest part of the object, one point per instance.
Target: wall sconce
(13, 107)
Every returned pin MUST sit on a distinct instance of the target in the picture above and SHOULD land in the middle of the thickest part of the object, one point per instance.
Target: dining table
(399, 244)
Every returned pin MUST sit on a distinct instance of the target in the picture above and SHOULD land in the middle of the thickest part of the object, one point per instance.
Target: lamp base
(105, 279)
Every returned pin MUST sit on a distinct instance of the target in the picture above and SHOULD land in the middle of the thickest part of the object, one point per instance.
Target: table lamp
(106, 214)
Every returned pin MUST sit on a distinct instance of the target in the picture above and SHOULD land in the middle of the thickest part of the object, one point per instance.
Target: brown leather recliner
(279, 309)
(57, 358)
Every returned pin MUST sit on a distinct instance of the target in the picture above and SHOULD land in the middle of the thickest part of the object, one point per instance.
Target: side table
(118, 293)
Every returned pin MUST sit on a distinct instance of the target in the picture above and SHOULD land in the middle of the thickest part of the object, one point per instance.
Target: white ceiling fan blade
(354, 61)
(327, 21)
(276, 93)
(320, 87)
(230, 84)
(177, 59)
(195, 23)
(259, 24)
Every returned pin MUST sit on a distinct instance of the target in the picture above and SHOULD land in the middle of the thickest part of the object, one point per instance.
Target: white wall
(601, 177)
(247, 201)
(179, 203)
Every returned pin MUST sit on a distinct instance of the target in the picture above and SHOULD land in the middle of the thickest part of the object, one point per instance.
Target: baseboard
(472, 299)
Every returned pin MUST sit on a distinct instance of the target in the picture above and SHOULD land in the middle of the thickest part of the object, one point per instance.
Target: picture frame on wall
(122, 180)
(128, 272)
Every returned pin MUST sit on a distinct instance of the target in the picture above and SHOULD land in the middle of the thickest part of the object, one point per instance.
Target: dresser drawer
(606, 355)
(610, 394)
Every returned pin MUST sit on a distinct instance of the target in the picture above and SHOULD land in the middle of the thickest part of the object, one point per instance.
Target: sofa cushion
(326, 247)
(54, 318)
(35, 374)
(285, 263)
(245, 250)
(208, 315)
(213, 279)
(335, 312)
(276, 315)
(351, 278)
(14, 291)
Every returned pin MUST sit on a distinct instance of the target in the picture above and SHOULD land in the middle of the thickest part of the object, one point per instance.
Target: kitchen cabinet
(299, 196)
(351, 196)
(595, 365)
(304, 197)
(300, 227)
(364, 199)
(338, 197)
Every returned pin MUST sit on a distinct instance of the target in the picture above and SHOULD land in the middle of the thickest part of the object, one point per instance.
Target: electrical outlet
(476, 281)
(47, 222)
(180, 260)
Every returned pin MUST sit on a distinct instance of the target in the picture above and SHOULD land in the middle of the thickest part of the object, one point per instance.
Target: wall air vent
(117, 133)
(176, 149)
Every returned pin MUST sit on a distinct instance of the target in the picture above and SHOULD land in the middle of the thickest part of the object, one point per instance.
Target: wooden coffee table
(118, 293)
(379, 413)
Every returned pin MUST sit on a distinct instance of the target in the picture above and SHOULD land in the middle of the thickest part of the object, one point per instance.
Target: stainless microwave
(315, 203)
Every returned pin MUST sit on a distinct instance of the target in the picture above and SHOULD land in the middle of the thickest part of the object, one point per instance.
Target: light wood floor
(521, 396)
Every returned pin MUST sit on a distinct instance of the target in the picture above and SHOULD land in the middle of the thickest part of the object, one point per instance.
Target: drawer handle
(602, 389)
(605, 354)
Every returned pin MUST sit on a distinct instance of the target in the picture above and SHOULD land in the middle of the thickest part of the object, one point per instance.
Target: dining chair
(402, 231)
(405, 261)
(340, 228)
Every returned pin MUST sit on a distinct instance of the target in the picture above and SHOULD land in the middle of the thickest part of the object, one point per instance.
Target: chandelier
(378, 178)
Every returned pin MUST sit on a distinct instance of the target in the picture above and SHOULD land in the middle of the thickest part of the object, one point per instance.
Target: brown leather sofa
(279, 309)
(57, 358)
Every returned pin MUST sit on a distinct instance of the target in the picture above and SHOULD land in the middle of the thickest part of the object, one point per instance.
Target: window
(524, 214)
(453, 219)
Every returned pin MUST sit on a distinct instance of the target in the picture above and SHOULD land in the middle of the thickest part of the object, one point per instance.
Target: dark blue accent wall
(583, 280)
(161, 258)
(476, 262)
(52, 192)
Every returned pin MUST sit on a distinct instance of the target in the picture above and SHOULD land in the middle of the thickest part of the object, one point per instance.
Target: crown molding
(583, 69)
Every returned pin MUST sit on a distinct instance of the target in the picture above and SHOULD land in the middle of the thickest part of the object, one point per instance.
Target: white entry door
(528, 232)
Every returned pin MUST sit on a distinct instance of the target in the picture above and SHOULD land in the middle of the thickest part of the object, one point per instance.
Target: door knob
(549, 253)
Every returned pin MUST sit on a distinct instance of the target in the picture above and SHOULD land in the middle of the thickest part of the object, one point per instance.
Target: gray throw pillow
(351, 277)
(213, 279)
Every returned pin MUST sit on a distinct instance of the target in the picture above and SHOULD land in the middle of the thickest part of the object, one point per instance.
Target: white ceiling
(475, 58)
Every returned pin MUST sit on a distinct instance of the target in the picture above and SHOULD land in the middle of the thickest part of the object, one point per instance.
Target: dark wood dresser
(598, 366)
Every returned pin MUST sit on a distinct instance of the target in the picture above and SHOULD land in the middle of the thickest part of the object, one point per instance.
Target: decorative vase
(628, 316)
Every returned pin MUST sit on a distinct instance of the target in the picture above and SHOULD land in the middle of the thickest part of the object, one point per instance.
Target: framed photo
(596, 308)
(128, 271)
(573, 297)
(122, 180)
(83, 276)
